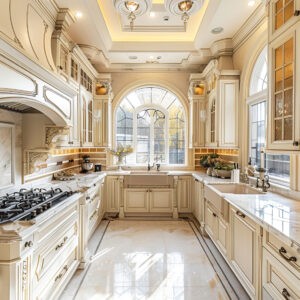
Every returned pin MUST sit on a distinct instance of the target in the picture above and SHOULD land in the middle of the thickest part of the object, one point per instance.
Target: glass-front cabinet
(284, 101)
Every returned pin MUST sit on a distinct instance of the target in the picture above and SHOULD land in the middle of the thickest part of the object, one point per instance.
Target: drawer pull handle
(240, 214)
(214, 214)
(286, 295)
(61, 244)
(64, 271)
(283, 252)
(28, 244)
(94, 213)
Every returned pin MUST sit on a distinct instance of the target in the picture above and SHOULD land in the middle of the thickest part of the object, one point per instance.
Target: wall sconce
(199, 89)
(202, 115)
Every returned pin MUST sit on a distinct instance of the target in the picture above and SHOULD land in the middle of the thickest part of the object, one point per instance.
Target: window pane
(278, 165)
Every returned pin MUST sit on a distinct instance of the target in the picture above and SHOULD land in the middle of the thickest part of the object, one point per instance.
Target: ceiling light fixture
(78, 14)
(183, 8)
(132, 9)
(217, 30)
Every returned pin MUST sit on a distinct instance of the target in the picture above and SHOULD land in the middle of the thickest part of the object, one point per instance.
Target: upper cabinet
(284, 108)
(214, 114)
(102, 111)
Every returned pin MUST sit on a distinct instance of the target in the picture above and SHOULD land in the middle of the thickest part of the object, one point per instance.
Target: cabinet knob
(295, 143)
(214, 214)
(286, 295)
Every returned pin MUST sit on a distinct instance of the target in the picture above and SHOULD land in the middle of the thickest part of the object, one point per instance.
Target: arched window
(277, 165)
(259, 76)
(152, 120)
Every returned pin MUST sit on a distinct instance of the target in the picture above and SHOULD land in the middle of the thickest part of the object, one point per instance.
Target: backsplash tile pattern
(61, 160)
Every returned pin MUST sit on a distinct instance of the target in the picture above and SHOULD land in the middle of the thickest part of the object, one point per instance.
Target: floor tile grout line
(88, 267)
(214, 262)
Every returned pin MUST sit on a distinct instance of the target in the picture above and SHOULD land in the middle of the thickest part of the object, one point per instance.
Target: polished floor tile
(150, 260)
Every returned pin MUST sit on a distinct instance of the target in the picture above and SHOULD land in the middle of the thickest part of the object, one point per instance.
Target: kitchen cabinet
(217, 228)
(245, 250)
(184, 193)
(91, 213)
(86, 102)
(113, 193)
(284, 104)
(148, 200)
(222, 112)
(56, 253)
(198, 201)
(277, 281)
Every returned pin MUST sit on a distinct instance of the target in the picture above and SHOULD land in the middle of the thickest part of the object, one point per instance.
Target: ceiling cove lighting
(183, 8)
(132, 9)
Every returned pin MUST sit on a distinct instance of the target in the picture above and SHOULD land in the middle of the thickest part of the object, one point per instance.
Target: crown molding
(258, 17)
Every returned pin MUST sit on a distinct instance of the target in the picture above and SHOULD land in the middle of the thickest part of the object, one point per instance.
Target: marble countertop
(277, 214)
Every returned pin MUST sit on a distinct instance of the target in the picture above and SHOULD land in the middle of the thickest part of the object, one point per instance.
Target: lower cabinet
(184, 193)
(144, 200)
(113, 187)
(245, 245)
(277, 281)
(217, 228)
(198, 201)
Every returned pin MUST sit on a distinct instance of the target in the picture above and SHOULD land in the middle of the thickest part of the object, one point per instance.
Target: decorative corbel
(34, 157)
(52, 132)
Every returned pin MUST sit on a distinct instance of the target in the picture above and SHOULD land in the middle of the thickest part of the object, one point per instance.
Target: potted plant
(208, 162)
(223, 168)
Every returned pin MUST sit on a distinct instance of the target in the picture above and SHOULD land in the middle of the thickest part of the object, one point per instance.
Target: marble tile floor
(146, 259)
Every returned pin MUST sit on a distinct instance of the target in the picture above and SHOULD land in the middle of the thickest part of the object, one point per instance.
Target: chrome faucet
(149, 166)
(157, 167)
(263, 183)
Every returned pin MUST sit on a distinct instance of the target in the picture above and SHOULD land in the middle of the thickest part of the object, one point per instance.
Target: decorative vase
(209, 171)
(120, 163)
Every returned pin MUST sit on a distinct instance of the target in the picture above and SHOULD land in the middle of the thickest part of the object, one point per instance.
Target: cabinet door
(244, 250)
(277, 281)
(211, 222)
(284, 114)
(136, 200)
(113, 192)
(228, 112)
(184, 194)
(212, 120)
(198, 201)
(223, 236)
(161, 200)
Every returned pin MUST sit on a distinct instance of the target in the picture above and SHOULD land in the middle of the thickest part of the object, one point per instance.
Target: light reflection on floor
(153, 260)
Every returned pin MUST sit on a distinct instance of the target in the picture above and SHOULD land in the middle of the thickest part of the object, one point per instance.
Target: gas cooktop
(27, 204)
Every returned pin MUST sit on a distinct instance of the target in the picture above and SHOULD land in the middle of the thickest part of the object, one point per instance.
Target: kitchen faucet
(263, 183)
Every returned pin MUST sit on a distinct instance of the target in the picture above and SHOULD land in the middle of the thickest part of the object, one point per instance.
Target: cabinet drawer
(283, 250)
(277, 280)
(93, 205)
(46, 257)
(48, 287)
(93, 192)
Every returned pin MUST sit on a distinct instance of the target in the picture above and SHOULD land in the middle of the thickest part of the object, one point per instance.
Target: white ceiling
(104, 29)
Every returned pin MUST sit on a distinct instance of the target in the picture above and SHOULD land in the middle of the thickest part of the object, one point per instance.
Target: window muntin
(284, 10)
(151, 119)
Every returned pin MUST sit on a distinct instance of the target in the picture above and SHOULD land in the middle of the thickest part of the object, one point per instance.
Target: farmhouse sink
(147, 179)
(214, 193)
(142, 172)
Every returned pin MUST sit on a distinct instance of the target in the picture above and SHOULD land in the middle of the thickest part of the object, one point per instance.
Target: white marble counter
(275, 213)
(203, 177)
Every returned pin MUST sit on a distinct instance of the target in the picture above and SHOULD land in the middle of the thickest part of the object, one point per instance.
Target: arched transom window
(152, 120)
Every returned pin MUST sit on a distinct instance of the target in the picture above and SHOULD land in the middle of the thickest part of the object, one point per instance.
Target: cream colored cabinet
(198, 201)
(57, 256)
(277, 281)
(245, 250)
(150, 200)
(211, 137)
(86, 101)
(184, 193)
(217, 228)
(136, 200)
(113, 188)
